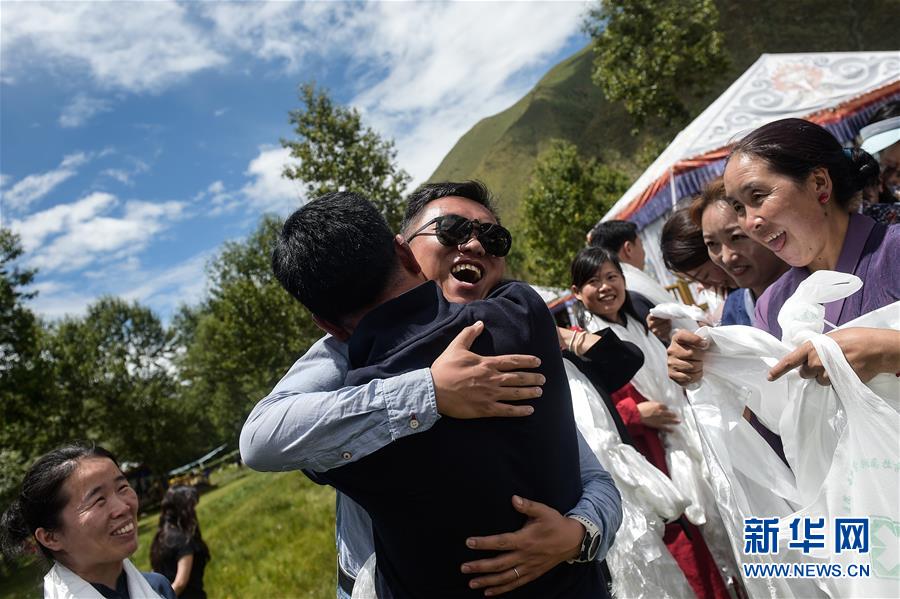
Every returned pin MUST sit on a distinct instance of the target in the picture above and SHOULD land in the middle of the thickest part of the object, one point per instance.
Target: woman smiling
(79, 508)
(791, 184)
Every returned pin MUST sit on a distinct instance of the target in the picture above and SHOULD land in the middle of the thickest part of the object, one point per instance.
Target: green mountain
(500, 150)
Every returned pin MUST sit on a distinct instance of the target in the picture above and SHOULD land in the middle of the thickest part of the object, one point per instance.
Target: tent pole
(672, 186)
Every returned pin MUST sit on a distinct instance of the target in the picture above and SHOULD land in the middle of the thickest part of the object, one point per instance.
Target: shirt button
(346, 455)
(413, 423)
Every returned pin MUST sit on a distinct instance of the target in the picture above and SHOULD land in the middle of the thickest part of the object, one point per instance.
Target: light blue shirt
(310, 421)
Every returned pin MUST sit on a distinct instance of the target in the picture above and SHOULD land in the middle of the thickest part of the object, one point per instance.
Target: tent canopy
(838, 90)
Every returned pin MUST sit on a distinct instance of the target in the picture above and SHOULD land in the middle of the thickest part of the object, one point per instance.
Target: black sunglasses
(453, 229)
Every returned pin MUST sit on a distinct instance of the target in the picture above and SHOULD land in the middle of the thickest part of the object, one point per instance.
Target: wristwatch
(590, 544)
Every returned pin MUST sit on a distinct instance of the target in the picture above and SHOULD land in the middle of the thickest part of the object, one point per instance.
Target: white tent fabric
(829, 88)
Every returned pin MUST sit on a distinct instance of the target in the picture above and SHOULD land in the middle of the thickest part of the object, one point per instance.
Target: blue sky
(136, 137)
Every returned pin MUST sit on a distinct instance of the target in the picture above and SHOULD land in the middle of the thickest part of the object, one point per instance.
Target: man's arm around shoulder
(309, 421)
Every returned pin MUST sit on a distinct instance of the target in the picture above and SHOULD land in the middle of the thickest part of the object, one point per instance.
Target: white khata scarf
(62, 583)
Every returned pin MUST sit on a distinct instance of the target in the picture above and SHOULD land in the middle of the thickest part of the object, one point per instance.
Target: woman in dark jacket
(178, 551)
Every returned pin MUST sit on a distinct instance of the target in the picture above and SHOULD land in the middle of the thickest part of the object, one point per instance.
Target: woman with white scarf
(660, 423)
(79, 509)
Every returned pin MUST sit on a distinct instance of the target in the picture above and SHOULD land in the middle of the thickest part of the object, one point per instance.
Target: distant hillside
(501, 149)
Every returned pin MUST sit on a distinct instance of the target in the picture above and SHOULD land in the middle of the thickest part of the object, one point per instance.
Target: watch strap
(589, 543)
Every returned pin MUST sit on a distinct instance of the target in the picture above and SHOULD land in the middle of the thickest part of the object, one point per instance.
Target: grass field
(270, 535)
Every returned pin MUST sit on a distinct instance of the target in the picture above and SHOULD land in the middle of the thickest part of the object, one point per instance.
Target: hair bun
(864, 168)
(13, 530)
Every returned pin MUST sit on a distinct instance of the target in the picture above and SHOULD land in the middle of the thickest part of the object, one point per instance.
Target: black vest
(428, 492)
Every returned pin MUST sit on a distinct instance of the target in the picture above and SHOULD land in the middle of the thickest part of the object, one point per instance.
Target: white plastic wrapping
(827, 433)
(639, 561)
(682, 316)
(364, 587)
(684, 454)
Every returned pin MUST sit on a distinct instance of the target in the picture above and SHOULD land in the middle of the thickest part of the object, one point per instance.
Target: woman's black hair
(587, 264)
(794, 147)
(177, 521)
(41, 499)
(681, 242)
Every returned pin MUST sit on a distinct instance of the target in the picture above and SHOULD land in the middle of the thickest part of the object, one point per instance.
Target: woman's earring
(823, 198)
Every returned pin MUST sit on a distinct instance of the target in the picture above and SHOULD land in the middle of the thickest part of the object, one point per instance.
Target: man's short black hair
(612, 234)
(335, 255)
(429, 192)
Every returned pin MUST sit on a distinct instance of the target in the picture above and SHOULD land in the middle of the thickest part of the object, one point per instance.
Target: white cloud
(447, 65)
(61, 301)
(265, 190)
(162, 288)
(282, 32)
(165, 289)
(34, 187)
(268, 191)
(138, 47)
(70, 237)
(220, 112)
(49, 287)
(216, 199)
(125, 175)
(424, 72)
(35, 229)
(118, 174)
(82, 109)
(216, 187)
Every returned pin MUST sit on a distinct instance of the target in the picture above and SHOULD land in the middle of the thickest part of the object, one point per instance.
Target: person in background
(644, 404)
(621, 238)
(753, 266)
(881, 139)
(684, 253)
(78, 507)
(178, 551)
(749, 264)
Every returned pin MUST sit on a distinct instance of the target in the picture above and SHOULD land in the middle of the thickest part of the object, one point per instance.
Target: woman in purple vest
(791, 183)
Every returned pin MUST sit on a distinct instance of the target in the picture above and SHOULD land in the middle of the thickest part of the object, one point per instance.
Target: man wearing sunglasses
(458, 243)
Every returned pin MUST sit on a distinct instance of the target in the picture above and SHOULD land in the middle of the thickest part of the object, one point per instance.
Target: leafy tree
(650, 53)
(116, 384)
(22, 386)
(244, 337)
(337, 153)
(566, 196)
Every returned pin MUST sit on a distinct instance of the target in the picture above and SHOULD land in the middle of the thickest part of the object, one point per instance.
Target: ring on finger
(517, 573)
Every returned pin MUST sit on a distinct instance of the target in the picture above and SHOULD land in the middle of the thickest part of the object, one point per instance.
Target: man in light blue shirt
(310, 422)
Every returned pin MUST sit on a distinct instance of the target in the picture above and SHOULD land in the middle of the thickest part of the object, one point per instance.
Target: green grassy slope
(270, 536)
(501, 149)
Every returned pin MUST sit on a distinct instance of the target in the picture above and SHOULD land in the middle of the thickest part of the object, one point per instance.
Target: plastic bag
(682, 317)
(364, 587)
(639, 561)
(827, 432)
(684, 454)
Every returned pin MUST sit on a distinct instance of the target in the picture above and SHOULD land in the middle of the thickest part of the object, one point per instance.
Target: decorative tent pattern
(838, 90)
